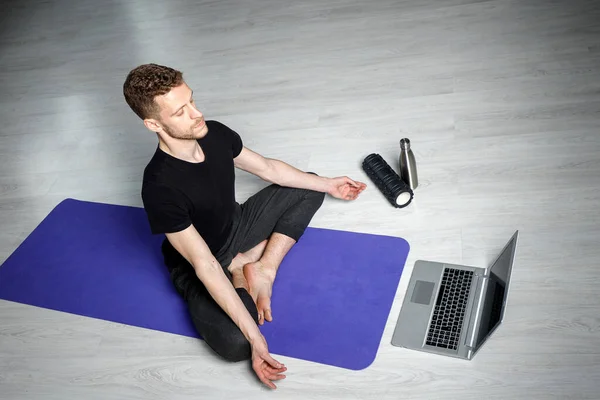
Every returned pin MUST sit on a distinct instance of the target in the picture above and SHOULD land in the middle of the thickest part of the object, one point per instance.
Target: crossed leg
(276, 217)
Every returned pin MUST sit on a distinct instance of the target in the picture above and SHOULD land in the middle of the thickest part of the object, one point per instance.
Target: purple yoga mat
(331, 298)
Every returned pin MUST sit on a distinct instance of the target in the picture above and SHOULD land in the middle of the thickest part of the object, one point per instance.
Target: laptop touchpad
(422, 293)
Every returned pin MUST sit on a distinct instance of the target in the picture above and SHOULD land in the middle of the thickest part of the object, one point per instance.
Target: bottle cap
(405, 144)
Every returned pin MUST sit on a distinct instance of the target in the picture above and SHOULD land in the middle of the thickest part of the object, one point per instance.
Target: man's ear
(152, 124)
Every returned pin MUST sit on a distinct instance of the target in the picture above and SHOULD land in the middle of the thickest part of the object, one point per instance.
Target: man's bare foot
(251, 255)
(260, 280)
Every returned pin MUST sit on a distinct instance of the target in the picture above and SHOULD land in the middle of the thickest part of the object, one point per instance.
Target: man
(222, 256)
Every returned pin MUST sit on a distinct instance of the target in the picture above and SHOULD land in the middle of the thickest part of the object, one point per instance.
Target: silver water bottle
(408, 165)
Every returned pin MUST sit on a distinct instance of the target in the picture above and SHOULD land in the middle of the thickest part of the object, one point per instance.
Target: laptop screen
(497, 290)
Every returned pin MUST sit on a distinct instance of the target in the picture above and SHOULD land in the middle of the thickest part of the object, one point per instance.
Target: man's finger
(271, 361)
(346, 181)
(261, 374)
(352, 195)
(274, 374)
(353, 183)
(276, 377)
(272, 370)
(268, 382)
(268, 315)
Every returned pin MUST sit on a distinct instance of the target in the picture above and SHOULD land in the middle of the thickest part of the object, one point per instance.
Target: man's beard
(187, 135)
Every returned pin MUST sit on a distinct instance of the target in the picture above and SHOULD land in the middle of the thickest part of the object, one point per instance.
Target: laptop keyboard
(449, 311)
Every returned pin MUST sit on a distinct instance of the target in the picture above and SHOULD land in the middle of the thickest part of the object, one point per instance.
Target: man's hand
(345, 188)
(265, 367)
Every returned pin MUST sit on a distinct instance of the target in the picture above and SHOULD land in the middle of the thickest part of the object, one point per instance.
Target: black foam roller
(398, 193)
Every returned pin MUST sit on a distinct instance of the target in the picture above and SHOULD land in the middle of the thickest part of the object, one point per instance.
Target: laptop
(450, 309)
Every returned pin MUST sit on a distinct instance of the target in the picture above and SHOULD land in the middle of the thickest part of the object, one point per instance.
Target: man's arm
(278, 172)
(194, 249)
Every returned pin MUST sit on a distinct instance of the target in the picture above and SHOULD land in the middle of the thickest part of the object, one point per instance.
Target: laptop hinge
(483, 276)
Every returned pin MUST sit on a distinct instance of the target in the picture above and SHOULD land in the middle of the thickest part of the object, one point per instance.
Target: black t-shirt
(178, 193)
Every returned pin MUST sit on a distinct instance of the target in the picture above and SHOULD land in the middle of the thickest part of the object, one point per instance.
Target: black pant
(274, 209)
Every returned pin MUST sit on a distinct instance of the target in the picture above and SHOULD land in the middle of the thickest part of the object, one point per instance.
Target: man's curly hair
(144, 83)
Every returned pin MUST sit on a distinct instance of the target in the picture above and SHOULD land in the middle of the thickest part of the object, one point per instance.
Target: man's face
(179, 118)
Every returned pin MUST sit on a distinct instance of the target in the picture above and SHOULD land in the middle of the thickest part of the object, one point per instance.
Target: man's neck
(186, 150)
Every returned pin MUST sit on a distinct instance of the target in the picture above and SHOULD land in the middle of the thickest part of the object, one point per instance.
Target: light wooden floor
(501, 100)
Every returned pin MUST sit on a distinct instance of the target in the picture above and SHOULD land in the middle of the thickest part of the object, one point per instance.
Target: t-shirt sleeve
(236, 143)
(235, 139)
(165, 208)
